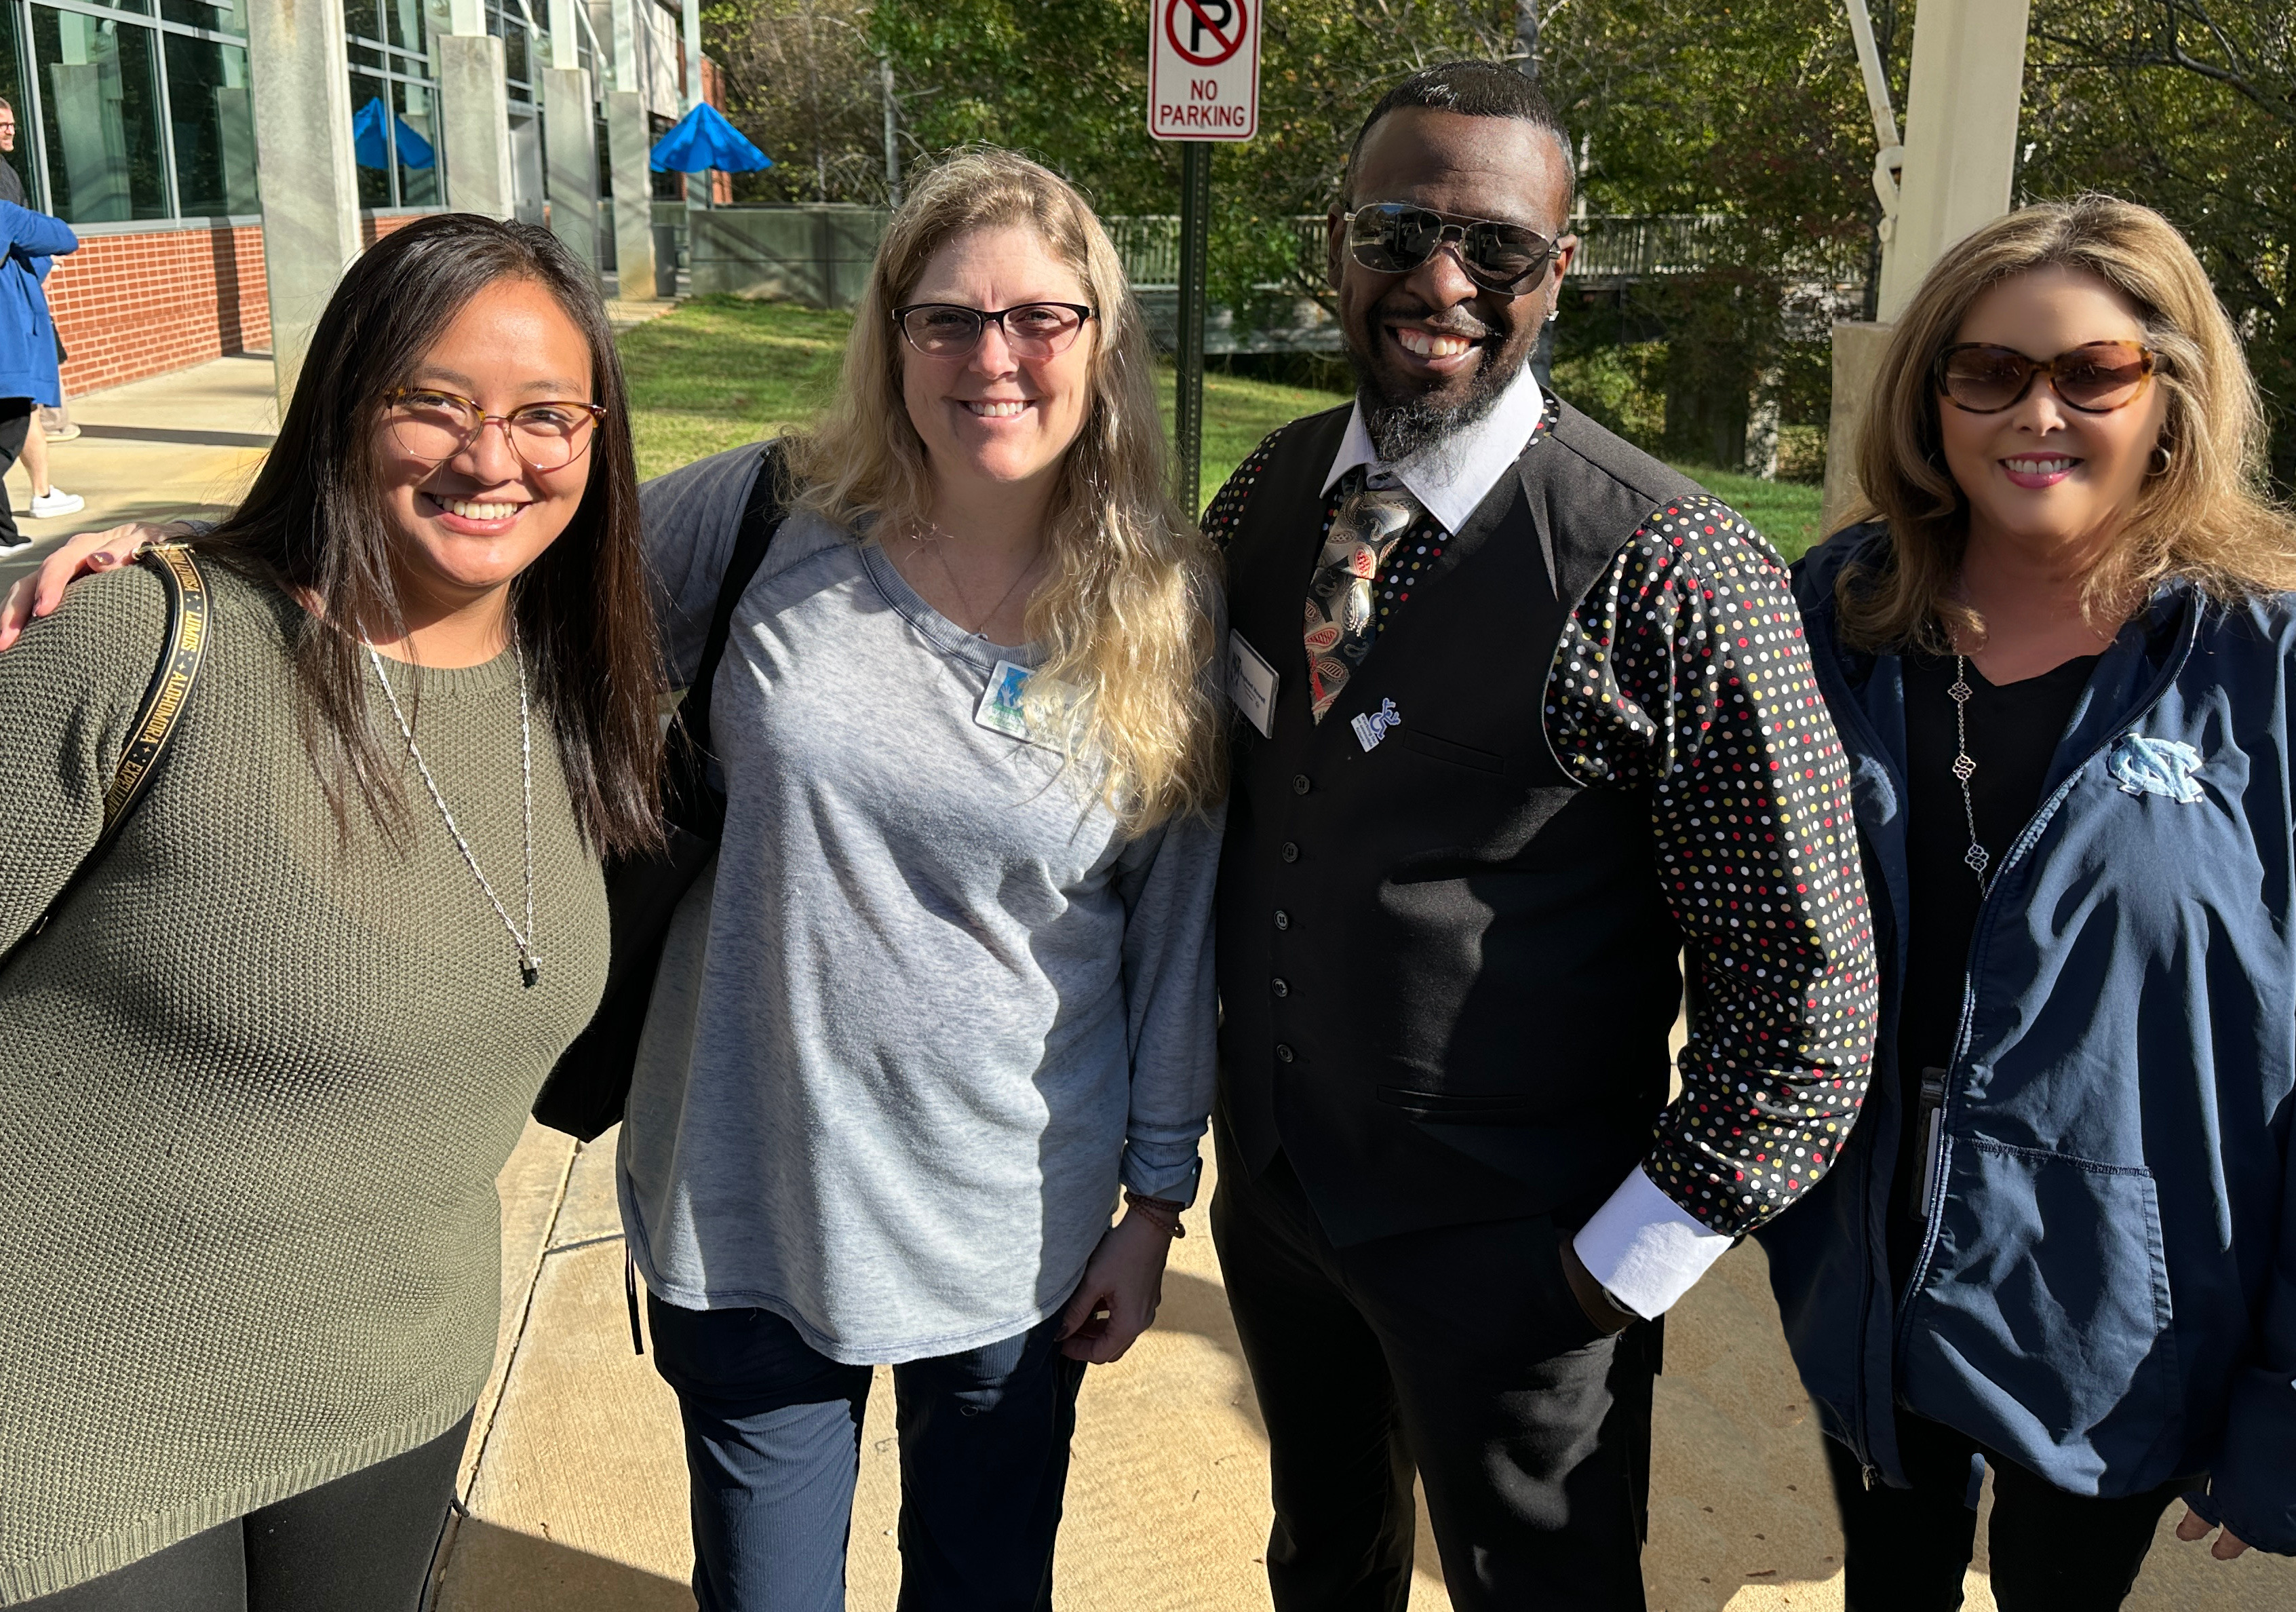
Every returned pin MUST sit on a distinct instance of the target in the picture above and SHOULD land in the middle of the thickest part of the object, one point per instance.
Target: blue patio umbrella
(368, 124)
(703, 139)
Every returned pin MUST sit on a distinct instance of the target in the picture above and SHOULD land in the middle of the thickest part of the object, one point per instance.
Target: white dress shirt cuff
(1646, 1249)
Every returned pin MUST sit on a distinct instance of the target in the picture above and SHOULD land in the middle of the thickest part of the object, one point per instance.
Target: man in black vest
(1525, 718)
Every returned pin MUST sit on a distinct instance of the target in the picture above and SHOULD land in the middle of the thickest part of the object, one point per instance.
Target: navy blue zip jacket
(2106, 1294)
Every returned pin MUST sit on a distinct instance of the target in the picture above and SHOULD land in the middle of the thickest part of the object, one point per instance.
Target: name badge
(1000, 710)
(1252, 684)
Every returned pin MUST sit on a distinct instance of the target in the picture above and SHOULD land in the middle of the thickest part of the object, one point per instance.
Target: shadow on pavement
(495, 1569)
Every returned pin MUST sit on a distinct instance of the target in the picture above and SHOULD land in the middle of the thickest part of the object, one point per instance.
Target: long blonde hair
(2205, 519)
(1125, 610)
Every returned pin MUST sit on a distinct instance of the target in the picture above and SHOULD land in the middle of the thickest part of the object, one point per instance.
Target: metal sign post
(1203, 84)
(1195, 258)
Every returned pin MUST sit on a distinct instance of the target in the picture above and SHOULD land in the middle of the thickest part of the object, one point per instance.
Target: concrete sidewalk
(187, 443)
(576, 1489)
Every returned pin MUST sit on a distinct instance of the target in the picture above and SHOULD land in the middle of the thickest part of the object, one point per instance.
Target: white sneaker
(17, 547)
(48, 506)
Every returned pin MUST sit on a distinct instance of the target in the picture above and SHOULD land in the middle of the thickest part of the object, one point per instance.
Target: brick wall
(137, 305)
(131, 306)
(374, 228)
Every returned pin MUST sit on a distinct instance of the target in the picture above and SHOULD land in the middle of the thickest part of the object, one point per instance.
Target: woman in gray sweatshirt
(950, 986)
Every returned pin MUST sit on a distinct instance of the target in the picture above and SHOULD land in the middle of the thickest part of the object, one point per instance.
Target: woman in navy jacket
(2061, 1240)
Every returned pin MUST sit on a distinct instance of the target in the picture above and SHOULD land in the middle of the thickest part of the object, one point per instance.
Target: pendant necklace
(1976, 857)
(530, 967)
(1028, 571)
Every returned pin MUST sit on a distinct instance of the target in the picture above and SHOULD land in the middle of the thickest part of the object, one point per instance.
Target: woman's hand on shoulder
(1123, 1283)
(82, 555)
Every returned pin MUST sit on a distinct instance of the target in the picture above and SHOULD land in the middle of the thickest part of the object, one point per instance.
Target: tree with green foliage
(2190, 107)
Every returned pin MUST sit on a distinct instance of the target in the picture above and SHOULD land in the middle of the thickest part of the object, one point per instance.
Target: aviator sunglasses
(2095, 378)
(1392, 238)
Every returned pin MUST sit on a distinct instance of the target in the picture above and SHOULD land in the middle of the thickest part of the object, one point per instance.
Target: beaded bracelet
(1160, 1213)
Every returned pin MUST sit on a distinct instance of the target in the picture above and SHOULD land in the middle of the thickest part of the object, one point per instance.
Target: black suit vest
(1447, 972)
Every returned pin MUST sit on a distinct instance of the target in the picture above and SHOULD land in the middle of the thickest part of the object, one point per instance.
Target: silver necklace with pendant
(530, 967)
(1976, 857)
(932, 542)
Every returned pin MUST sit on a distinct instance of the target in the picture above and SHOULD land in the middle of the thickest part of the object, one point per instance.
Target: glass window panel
(222, 16)
(371, 139)
(362, 18)
(212, 119)
(418, 144)
(364, 55)
(16, 144)
(404, 19)
(99, 111)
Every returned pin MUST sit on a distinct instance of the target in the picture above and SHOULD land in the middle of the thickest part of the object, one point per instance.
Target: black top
(12, 186)
(2013, 730)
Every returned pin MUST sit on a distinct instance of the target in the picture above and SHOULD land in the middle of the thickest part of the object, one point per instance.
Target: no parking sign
(1203, 68)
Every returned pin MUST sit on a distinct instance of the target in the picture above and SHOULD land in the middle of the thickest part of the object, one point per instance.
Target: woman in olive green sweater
(260, 1069)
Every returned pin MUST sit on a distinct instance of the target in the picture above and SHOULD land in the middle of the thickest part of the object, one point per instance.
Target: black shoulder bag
(157, 719)
(587, 1088)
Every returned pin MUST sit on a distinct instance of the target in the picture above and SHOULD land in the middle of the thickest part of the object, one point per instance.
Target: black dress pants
(1460, 1352)
(1909, 1549)
(15, 426)
(362, 1543)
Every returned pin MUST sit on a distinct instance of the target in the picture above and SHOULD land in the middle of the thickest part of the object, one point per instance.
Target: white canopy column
(1960, 158)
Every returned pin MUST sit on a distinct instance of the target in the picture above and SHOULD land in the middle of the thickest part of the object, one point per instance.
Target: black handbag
(157, 719)
(590, 1084)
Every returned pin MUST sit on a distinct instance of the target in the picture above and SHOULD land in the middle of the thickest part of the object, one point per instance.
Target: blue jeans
(773, 1445)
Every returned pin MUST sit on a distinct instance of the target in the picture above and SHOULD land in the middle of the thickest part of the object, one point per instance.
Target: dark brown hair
(314, 523)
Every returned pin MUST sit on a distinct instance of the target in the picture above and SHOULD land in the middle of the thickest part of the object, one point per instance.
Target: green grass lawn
(720, 372)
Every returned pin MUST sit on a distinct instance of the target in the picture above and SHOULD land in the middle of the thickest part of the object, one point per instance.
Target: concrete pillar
(298, 71)
(573, 155)
(629, 137)
(1961, 134)
(475, 114)
(1857, 349)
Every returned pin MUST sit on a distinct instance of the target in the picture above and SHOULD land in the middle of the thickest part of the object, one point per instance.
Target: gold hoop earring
(2161, 459)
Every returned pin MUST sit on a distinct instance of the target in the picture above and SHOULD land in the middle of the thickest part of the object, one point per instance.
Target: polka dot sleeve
(1684, 671)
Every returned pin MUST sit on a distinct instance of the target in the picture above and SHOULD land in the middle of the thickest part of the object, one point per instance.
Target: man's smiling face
(1430, 349)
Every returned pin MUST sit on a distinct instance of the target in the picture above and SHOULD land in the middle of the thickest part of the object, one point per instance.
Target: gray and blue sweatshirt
(933, 1005)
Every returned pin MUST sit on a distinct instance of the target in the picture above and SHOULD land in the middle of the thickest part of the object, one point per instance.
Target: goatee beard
(1403, 428)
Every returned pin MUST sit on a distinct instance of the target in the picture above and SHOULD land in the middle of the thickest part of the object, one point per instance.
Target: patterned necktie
(1372, 520)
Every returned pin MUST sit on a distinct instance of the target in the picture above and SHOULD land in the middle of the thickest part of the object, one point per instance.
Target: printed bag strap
(158, 719)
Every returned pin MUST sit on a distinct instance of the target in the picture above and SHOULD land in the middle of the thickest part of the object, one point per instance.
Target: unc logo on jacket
(2105, 1122)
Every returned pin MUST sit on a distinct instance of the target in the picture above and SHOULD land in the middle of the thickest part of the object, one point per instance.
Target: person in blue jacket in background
(28, 375)
(2061, 1240)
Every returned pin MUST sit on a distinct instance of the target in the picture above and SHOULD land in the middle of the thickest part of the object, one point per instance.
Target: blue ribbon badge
(1371, 725)
(2163, 767)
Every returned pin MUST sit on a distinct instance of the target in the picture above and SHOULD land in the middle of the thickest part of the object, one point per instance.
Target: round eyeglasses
(1032, 330)
(1394, 238)
(2095, 378)
(436, 425)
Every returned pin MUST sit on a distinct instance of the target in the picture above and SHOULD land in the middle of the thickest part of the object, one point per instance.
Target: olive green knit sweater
(255, 1085)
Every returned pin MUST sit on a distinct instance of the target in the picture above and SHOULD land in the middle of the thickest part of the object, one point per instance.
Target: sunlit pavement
(187, 443)
(575, 1485)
